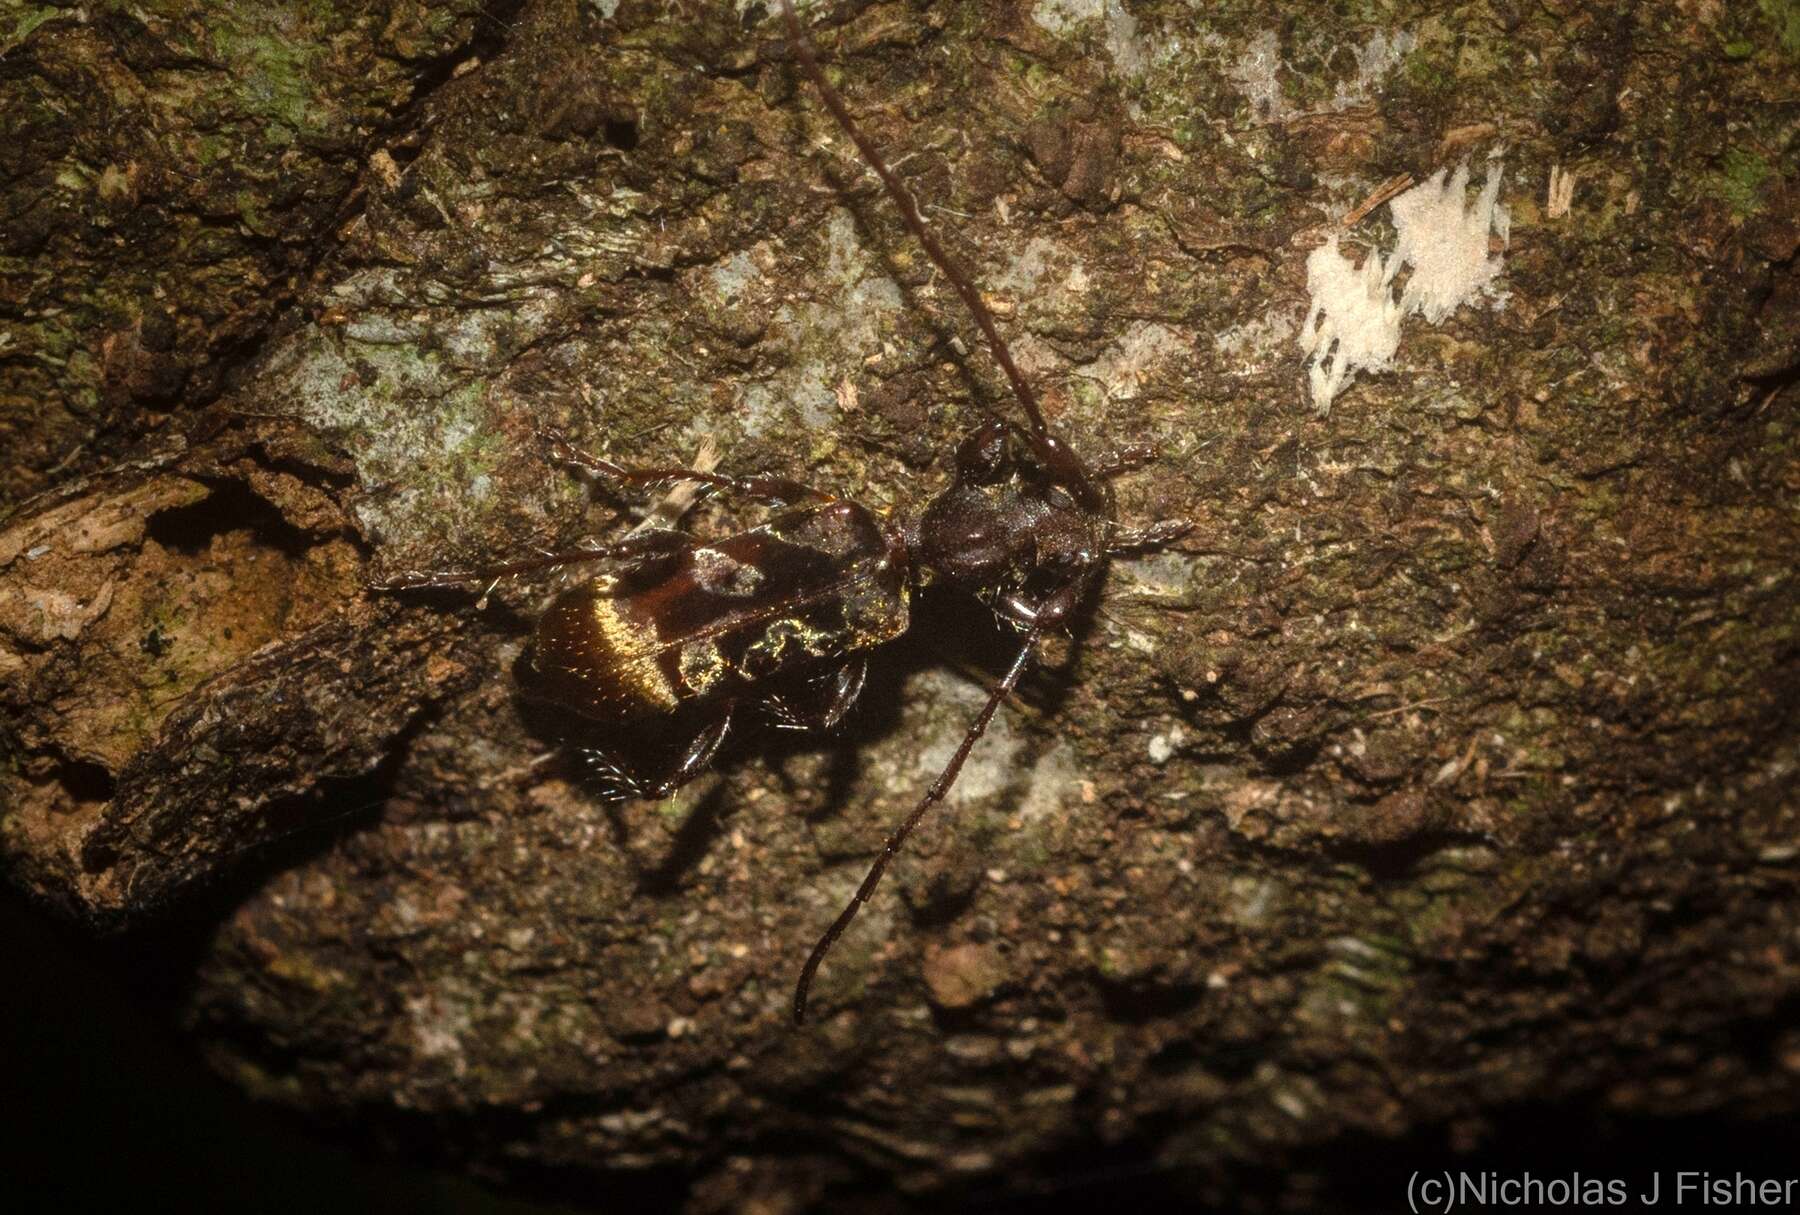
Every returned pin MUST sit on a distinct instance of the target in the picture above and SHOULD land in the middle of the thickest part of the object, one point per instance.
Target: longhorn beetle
(680, 630)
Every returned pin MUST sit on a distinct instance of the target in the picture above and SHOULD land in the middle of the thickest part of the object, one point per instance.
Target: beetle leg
(668, 511)
(1047, 612)
(1015, 610)
(846, 686)
(699, 753)
(1124, 460)
(637, 548)
(777, 490)
(841, 688)
(1155, 536)
(607, 778)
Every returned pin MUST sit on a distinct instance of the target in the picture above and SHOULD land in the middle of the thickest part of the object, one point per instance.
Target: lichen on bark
(1446, 765)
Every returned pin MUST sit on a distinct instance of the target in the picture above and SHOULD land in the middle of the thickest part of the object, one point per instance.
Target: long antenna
(1053, 451)
(932, 797)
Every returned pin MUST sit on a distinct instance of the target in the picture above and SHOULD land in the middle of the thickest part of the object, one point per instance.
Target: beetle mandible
(680, 629)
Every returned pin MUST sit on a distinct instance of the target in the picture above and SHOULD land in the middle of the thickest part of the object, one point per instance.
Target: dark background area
(111, 1107)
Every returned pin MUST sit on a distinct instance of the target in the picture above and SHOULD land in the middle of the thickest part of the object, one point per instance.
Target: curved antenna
(932, 797)
(1055, 454)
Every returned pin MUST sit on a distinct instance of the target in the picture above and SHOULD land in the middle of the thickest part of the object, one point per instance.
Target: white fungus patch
(1353, 324)
(1445, 241)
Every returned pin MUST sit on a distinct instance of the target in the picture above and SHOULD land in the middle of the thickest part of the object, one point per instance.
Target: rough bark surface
(1449, 764)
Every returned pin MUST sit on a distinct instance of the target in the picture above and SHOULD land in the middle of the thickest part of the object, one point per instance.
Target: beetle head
(1007, 525)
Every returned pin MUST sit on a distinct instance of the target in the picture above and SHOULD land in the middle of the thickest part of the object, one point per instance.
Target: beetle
(679, 630)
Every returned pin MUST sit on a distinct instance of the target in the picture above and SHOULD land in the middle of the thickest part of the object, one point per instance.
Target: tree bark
(1446, 765)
